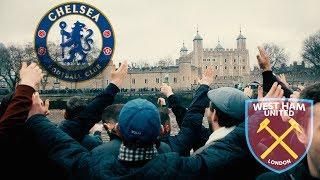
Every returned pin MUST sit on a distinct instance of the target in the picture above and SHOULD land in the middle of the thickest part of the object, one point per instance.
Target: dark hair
(74, 106)
(224, 120)
(5, 103)
(111, 113)
(311, 92)
(164, 115)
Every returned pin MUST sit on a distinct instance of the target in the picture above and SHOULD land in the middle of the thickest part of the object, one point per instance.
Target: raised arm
(173, 102)
(93, 111)
(180, 111)
(268, 77)
(192, 122)
(17, 112)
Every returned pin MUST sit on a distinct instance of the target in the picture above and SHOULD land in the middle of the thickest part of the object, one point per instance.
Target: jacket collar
(219, 134)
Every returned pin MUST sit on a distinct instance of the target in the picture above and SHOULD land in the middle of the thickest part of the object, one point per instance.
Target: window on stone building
(216, 67)
(133, 81)
(235, 67)
(146, 81)
(225, 67)
(206, 67)
(175, 80)
(244, 67)
(225, 60)
(234, 60)
(157, 80)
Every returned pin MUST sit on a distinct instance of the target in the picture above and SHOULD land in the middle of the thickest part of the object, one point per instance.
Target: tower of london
(230, 65)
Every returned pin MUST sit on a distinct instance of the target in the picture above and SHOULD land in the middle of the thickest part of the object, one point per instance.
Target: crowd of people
(140, 145)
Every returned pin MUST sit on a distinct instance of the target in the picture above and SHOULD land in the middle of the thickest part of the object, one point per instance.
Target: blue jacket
(227, 158)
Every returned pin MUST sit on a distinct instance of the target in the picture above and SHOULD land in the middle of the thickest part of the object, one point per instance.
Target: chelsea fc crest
(74, 41)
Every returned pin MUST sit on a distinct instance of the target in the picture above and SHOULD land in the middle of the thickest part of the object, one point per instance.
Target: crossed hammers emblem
(279, 140)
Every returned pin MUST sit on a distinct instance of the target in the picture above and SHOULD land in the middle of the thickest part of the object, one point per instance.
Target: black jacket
(225, 159)
(191, 125)
(87, 141)
(179, 111)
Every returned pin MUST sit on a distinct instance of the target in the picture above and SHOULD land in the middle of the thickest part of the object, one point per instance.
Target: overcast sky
(152, 29)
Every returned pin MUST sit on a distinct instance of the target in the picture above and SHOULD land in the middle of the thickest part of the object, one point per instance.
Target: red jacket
(17, 112)
(18, 151)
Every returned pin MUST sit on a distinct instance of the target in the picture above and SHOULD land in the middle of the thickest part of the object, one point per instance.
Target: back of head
(111, 113)
(139, 123)
(312, 93)
(74, 106)
(229, 104)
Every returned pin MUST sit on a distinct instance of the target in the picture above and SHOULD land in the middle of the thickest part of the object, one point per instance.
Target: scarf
(137, 154)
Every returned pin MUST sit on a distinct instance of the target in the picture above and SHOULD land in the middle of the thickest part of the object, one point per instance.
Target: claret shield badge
(279, 131)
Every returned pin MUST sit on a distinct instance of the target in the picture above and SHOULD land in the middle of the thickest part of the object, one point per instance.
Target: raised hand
(161, 102)
(166, 90)
(97, 127)
(263, 60)
(248, 91)
(30, 75)
(283, 79)
(301, 88)
(38, 107)
(117, 76)
(275, 92)
(295, 95)
(207, 77)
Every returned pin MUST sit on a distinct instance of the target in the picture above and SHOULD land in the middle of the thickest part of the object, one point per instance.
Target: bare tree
(165, 62)
(311, 50)
(277, 55)
(10, 62)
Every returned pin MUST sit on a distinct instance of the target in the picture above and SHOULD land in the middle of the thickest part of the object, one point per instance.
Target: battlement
(213, 50)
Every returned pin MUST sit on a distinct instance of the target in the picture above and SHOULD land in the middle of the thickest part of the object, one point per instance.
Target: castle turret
(198, 52)
(241, 41)
(219, 47)
(183, 50)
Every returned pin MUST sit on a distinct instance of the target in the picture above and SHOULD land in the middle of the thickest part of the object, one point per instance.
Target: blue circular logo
(74, 41)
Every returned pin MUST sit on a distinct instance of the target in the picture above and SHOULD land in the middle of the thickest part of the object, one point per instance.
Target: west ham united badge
(279, 131)
(74, 41)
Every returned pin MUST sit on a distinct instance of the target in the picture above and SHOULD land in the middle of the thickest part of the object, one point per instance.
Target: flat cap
(229, 100)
